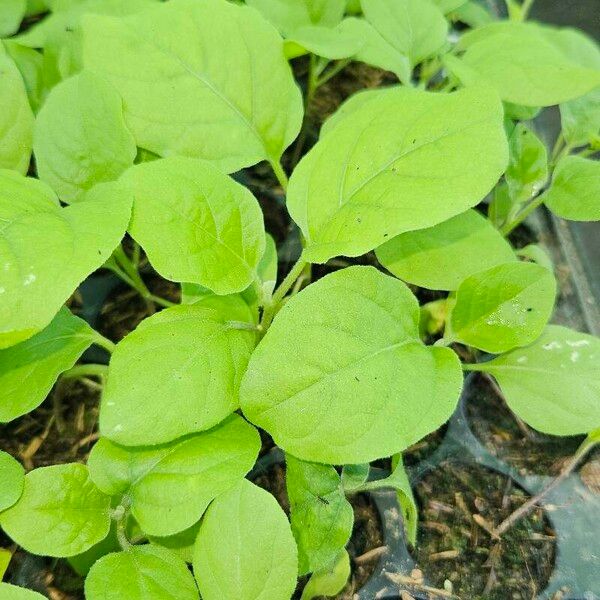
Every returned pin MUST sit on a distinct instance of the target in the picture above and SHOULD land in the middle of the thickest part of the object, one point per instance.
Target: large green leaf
(13, 592)
(205, 79)
(504, 307)
(12, 476)
(416, 28)
(440, 257)
(356, 374)
(80, 138)
(329, 581)
(170, 486)
(177, 373)
(16, 118)
(30, 63)
(11, 15)
(553, 384)
(400, 163)
(141, 573)
(29, 370)
(196, 224)
(575, 190)
(321, 517)
(523, 63)
(61, 512)
(46, 251)
(245, 548)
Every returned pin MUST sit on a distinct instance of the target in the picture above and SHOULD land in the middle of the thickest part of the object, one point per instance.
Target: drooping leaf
(61, 512)
(386, 171)
(195, 223)
(442, 256)
(503, 307)
(203, 79)
(357, 374)
(245, 548)
(321, 517)
(575, 190)
(330, 581)
(553, 384)
(11, 15)
(170, 486)
(12, 476)
(522, 63)
(29, 370)
(80, 138)
(13, 592)
(191, 384)
(46, 250)
(16, 118)
(527, 169)
(328, 42)
(141, 573)
(416, 28)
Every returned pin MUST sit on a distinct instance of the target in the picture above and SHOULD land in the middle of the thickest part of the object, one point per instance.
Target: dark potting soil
(364, 545)
(454, 549)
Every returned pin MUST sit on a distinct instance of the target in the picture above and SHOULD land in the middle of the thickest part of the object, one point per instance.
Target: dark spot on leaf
(529, 309)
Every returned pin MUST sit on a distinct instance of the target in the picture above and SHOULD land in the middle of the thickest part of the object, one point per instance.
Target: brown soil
(455, 551)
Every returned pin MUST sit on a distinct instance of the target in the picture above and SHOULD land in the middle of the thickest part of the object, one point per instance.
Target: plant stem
(339, 66)
(525, 508)
(523, 214)
(280, 174)
(90, 370)
(103, 342)
(526, 8)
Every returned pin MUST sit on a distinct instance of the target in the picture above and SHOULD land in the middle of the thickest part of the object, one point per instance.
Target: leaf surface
(12, 477)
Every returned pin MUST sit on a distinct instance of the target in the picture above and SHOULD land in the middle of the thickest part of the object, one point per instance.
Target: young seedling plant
(137, 114)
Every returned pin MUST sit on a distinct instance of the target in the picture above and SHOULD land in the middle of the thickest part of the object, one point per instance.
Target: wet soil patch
(455, 551)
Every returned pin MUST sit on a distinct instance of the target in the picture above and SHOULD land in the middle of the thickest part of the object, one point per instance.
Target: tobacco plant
(137, 114)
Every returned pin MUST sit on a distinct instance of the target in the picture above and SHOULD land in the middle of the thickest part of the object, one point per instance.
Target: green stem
(103, 342)
(526, 8)
(280, 174)
(91, 370)
(522, 215)
(473, 367)
(339, 66)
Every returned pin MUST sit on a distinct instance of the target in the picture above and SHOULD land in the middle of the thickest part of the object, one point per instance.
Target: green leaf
(82, 563)
(80, 138)
(200, 364)
(527, 170)
(521, 113)
(504, 307)
(353, 476)
(30, 64)
(474, 14)
(448, 6)
(61, 512)
(12, 475)
(203, 79)
(141, 573)
(16, 118)
(332, 43)
(535, 253)
(522, 63)
(170, 486)
(12, 592)
(322, 519)
(357, 374)
(442, 256)
(387, 171)
(11, 15)
(245, 548)
(29, 370)
(416, 28)
(181, 543)
(330, 581)
(76, 240)
(580, 119)
(553, 384)
(195, 223)
(575, 190)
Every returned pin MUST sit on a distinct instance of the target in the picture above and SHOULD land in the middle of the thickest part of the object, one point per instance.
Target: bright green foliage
(196, 224)
(29, 370)
(416, 28)
(170, 486)
(504, 307)
(16, 118)
(575, 190)
(191, 384)
(80, 138)
(554, 384)
(30, 64)
(447, 6)
(581, 119)
(385, 171)
(527, 170)
(184, 60)
(330, 581)
(12, 592)
(442, 256)
(523, 63)
(181, 543)
(82, 563)
(61, 512)
(141, 573)
(354, 476)
(76, 240)
(331, 43)
(321, 517)
(12, 475)
(245, 549)
(11, 15)
(357, 374)
(536, 254)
